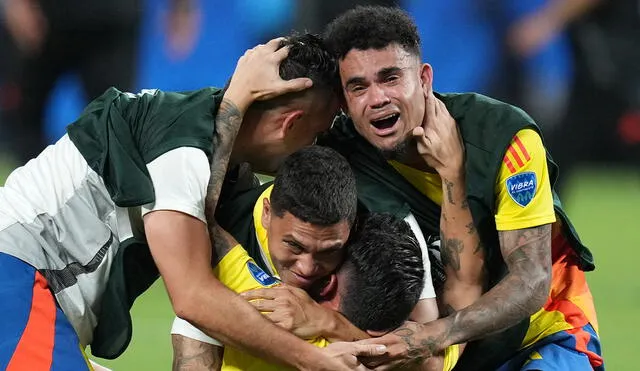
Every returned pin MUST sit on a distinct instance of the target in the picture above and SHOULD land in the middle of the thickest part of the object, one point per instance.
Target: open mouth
(386, 122)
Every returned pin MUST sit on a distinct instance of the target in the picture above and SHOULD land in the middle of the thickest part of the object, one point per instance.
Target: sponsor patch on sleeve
(522, 187)
(259, 275)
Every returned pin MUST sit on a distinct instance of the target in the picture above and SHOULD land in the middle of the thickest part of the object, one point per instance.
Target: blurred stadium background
(483, 46)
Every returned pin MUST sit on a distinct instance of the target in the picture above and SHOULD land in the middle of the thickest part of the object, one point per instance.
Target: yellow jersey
(522, 189)
(240, 273)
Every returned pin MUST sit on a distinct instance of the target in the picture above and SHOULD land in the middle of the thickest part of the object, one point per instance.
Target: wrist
(452, 174)
(450, 333)
(239, 97)
(328, 324)
(438, 339)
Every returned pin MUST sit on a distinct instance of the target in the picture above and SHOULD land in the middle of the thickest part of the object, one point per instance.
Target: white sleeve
(180, 178)
(427, 291)
(184, 328)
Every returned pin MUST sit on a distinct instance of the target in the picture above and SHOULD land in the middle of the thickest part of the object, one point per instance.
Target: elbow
(185, 305)
(183, 309)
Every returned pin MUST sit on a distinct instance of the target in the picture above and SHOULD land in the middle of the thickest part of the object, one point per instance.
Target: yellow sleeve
(523, 192)
(240, 273)
(451, 356)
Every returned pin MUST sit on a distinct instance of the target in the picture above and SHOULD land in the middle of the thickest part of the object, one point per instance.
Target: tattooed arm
(193, 355)
(461, 250)
(527, 253)
(523, 291)
(181, 244)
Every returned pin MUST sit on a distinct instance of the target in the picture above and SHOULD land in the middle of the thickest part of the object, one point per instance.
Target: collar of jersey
(261, 232)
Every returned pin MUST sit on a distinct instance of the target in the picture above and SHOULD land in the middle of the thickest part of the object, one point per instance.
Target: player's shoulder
(476, 105)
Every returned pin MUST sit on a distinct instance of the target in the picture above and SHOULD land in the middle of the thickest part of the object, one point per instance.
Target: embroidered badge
(522, 187)
(261, 276)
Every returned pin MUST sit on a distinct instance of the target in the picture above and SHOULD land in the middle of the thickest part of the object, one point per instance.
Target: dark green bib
(118, 134)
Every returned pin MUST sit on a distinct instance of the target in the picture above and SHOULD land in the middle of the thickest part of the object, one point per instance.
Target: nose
(307, 266)
(378, 96)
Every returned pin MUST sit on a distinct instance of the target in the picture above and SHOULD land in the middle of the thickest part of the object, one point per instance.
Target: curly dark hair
(371, 27)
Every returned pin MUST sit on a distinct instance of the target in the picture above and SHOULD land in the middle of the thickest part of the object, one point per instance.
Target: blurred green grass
(604, 205)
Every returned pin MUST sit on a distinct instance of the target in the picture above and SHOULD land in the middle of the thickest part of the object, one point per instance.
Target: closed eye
(392, 78)
(294, 247)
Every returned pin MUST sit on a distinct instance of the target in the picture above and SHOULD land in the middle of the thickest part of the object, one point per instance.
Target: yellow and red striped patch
(517, 155)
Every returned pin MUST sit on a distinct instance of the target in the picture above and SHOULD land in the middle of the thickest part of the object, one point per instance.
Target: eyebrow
(333, 248)
(379, 75)
(295, 241)
(355, 81)
(388, 71)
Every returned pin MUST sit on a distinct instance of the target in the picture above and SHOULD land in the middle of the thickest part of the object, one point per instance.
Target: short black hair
(316, 185)
(385, 273)
(308, 57)
(372, 27)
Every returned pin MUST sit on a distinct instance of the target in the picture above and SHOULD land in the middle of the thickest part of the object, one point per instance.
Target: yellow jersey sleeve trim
(451, 356)
(261, 232)
(523, 191)
(240, 273)
(526, 223)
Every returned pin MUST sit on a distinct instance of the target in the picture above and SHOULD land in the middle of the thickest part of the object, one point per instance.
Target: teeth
(385, 117)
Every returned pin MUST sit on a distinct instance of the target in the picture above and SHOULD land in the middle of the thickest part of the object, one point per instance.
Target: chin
(386, 144)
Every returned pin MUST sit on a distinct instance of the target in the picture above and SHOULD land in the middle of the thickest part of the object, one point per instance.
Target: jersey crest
(522, 187)
(259, 275)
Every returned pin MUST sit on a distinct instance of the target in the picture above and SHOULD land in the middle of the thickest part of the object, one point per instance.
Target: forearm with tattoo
(194, 355)
(527, 253)
(523, 291)
(461, 250)
(227, 123)
(221, 240)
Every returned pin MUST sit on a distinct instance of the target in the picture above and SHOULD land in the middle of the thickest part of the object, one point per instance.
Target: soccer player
(91, 222)
(285, 225)
(376, 288)
(538, 312)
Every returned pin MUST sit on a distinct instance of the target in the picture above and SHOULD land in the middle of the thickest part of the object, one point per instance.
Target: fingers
(423, 139)
(270, 47)
(295, 85)
(264, 305)
(437, 105)
(274, 44)
(431, 109)
(269, 294)
(281, 53)
(368, 350)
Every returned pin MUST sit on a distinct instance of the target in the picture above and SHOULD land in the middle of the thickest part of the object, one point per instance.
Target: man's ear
(291, 119)
(266, 213)
(426, 77)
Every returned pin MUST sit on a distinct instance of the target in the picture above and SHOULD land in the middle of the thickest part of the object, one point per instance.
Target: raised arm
(461, 250)
(181, 246)
(527, 253)
(525, 244)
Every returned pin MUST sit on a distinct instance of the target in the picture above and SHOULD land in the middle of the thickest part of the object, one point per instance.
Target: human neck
(409, 156)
